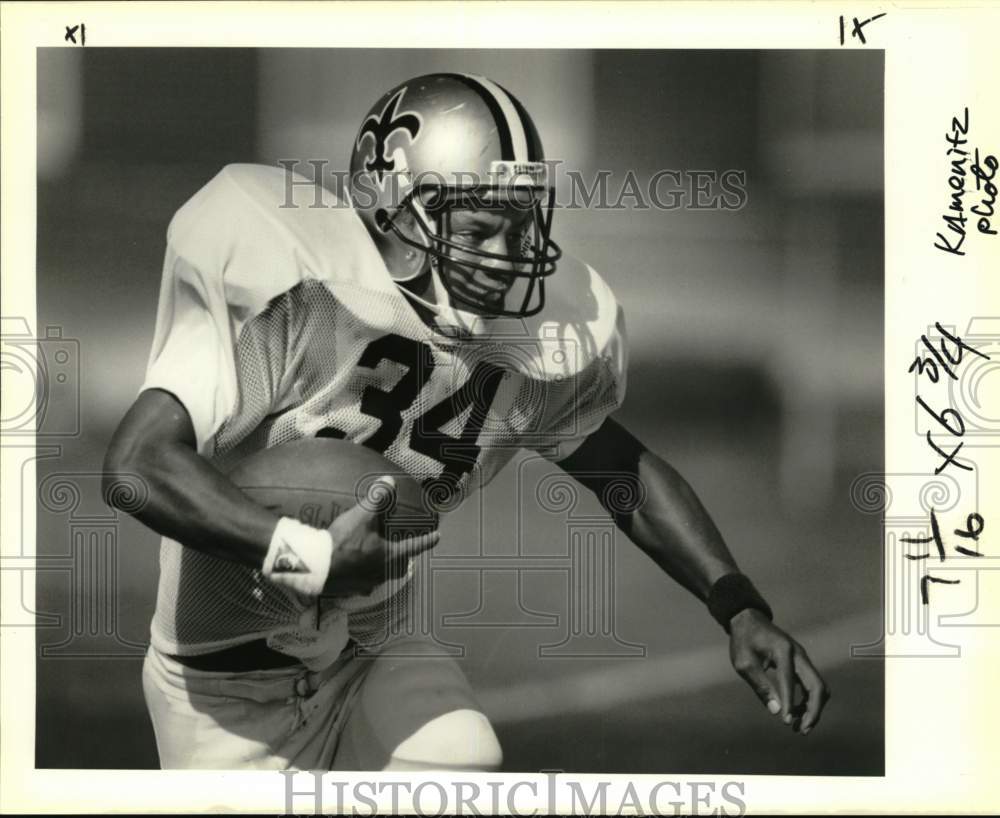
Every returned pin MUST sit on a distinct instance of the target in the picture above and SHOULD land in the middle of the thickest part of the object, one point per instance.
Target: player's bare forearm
(671, 525)
(187, 498)
(676, 530)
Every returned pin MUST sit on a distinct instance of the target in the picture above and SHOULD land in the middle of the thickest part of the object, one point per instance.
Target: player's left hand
(756, 646)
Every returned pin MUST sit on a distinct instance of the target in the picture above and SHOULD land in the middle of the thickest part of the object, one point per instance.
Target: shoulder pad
(251, 225)
(579, 324)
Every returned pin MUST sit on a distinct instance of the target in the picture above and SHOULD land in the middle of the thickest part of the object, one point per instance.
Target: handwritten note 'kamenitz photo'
(499, 408)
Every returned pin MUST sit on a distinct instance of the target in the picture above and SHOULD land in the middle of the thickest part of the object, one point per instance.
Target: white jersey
(278, 323)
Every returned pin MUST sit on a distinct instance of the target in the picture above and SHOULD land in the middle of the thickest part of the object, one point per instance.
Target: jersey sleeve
(576, 407)
(192, 356)
(204, 349)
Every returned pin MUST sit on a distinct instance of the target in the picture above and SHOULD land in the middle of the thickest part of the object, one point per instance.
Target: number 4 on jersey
(459, 454)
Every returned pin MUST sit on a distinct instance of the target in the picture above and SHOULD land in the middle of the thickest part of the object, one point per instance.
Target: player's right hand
(362, 558)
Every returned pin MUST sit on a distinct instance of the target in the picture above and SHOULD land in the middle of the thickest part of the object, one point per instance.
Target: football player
(436, 321)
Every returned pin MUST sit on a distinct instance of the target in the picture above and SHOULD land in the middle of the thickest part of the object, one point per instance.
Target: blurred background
(756, 369)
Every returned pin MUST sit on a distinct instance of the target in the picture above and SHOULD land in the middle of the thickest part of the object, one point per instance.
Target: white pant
(352, 716)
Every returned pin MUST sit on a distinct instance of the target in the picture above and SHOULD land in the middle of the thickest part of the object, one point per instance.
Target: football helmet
(440, 143)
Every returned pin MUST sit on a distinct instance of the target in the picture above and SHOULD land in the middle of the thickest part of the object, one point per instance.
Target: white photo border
(940, 741)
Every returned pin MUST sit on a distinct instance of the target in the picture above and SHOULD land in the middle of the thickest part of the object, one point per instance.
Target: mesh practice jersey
(280, 322)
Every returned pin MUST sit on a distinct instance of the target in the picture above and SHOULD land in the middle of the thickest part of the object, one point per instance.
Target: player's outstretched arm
(672, 526)
(192, 502)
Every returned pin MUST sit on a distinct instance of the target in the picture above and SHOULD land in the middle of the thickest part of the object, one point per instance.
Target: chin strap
(446, 318)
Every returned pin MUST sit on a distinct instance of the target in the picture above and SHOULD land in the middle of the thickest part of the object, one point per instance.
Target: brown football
(316, 479)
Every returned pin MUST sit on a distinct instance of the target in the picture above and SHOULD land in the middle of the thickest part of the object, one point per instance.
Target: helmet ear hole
(382, 220)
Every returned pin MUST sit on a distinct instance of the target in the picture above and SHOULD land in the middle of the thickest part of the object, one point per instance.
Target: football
(316, 479)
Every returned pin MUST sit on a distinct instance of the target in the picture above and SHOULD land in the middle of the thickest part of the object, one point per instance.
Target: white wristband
(299, 557)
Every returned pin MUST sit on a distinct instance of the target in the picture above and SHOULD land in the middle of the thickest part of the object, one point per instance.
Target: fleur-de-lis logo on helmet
(380, 128)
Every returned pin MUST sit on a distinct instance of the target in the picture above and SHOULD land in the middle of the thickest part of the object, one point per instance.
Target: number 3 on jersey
(457, 455)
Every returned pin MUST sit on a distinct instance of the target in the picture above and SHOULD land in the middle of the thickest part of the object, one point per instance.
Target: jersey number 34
(457, 455)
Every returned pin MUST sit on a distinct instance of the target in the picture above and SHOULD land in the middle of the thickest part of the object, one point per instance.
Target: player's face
(499, 231)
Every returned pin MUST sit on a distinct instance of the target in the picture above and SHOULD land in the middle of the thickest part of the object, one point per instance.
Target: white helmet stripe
(519, 137)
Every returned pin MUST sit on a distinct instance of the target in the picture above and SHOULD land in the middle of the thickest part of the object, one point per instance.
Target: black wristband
(734, 593)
